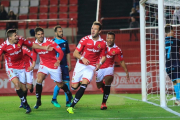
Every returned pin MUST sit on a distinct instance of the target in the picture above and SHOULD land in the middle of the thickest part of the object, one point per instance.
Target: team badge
(18, 45)
(29, 42)
(10, 75)
(99, 46)
(113, 52)
(79, 46)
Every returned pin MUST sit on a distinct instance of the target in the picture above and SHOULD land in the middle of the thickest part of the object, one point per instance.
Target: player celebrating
(90, 47)
(49, 64)
(27, 56)
(12, 48)
(64, 67)
(172, 46)
(106, 71)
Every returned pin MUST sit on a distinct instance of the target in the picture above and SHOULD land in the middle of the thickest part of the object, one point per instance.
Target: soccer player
(65, 68)
(106, 71)
(12, 49)
(49, 64)
(27, 56)
(172, 46)
(90, 47)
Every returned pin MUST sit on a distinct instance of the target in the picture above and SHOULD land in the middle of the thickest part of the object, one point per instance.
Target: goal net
(156, 84)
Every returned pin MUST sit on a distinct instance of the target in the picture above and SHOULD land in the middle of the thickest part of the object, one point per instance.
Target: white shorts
(19, 73)
(54, 73)
(101, 73)
(82, 71)
(29, 77)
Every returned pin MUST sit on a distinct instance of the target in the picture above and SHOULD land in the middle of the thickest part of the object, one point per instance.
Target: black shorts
(173, 73)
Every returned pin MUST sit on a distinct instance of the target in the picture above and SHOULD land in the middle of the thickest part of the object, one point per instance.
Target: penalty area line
(165, 108)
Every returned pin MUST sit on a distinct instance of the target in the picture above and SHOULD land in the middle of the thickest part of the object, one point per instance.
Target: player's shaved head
(10, 32)
(168, 28)
(56, 27)
(98, 23)
(37, 29)
(111, 33)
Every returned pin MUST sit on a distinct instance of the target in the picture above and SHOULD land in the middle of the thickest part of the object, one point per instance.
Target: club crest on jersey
(29, 42)
(18, 45)
(99, 46)
(113, 52)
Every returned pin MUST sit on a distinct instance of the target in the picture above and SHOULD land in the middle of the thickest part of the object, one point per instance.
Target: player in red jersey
(106, 71)
(49, 64)
(90, 47)
(27, 56)
(12, 49)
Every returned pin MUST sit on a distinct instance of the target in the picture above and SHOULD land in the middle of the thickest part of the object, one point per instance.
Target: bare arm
(69, 61)
(78, 56)
(125, 68)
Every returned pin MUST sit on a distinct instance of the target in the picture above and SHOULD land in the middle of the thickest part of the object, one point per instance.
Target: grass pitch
(120, 107)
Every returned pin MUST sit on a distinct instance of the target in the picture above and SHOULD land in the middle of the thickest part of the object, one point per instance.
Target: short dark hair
(37, 29)
(98, 23)
(168, 28)
(111, 33)
(56, 27)
(10, 32)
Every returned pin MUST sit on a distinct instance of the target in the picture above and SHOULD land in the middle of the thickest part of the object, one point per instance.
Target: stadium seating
(44, 2)
(54, 2)
(42, 24)
(43, 9)
(73, 15)
(73, 2)
(63, 15)
(33, 9)
(73, 8)
(63, 8)
(43, 16)
(52, 24)
(32, 25)
(53, 9)
(5, 3)
(2, 25)
(24, 3)
(22, 25)
(23, 10)
(32, 16)
(63, 24)
(63, 2)
(14, 3)
(21, 17)
(15, 9)
(34, 3)
(73, 23)
(53, 16)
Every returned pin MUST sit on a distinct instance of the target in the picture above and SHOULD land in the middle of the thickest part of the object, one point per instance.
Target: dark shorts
(65, 73)
(173, 73)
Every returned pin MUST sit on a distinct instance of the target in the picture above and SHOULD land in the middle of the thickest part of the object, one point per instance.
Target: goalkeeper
(172, 46)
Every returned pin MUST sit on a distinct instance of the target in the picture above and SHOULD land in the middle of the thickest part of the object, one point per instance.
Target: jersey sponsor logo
(93, 50)
(15, 53)
(89, 44)
(43, 52)
(108, 56)
(79, 46)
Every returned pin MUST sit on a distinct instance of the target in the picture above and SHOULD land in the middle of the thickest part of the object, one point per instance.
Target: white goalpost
(154, 15)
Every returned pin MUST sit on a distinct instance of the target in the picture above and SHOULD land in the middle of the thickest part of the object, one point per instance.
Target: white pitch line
(165, 108)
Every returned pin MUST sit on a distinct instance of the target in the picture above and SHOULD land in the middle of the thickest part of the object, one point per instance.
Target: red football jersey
(48, 58)
(13, 52)
(91, 49)
(112, 52)
(27, 55)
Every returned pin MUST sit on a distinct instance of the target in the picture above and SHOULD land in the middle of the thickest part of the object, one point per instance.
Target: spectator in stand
(3, 13)
(133, 12)
(137, 9)
(12, 25)
(133, 24)
(155, 22)
(176, 16)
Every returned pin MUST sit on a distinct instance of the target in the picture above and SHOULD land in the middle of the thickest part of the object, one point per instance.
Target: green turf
(119, 107)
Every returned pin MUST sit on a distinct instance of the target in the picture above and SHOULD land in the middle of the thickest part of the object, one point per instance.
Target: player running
(106, 71)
